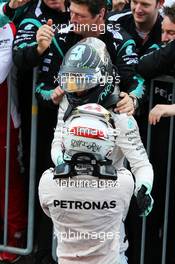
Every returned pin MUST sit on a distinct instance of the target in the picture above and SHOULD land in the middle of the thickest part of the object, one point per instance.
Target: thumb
(49, 22)
(122, 94)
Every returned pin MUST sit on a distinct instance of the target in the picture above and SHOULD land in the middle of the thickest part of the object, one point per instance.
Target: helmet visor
(77, 82)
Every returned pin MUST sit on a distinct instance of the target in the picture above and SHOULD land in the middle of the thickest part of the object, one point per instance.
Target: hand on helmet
(144, 201)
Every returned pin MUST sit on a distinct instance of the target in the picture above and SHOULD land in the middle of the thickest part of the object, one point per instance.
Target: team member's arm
(25, 55)
(57, 148)
(160, 110)
(31, 43)
(48, 93)
(157, 62)
(48, 90)
(130, 82)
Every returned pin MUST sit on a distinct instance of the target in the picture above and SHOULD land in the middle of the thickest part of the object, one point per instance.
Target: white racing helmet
(89, 130)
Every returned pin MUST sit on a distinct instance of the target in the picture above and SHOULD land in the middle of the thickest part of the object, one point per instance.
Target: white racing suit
(91, 210)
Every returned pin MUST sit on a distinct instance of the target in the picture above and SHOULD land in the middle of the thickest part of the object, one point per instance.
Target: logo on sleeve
(130, 123)
(29, 27)
(129, 50)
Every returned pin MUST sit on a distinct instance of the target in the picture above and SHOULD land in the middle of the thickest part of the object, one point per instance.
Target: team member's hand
(144, 201)
(44, 36)
(17, 3)
(160, 110)
(118, 5)
(57, 95)
(125, 105)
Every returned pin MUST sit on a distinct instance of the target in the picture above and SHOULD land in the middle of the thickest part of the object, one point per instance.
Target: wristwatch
(135, 101)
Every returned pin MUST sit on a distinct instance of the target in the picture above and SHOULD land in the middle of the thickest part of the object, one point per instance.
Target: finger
(128, 106)
(125, 109)
(122, 108)
(131, 112)
(122, 103)
(59, 95)
(56, 101)
(116, 111)
(154, 120)
(158, 118)
(46, 27)
(54, 98)
(44, 34)
(123, 94)
(150, 120)
(43, 38)
(59, 91)
(48, 31)
(125, 100)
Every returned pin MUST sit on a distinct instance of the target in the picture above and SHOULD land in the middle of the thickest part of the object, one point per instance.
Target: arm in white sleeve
(6, 40)
(131, 146)
(44, 190)
(57, 148)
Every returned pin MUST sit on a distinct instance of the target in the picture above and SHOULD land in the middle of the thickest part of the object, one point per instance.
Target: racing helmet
(86, 65)
(89, 130)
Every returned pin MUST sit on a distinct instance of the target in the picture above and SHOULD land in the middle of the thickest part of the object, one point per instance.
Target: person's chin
(55, 7)
(77, 31)
(139, 18)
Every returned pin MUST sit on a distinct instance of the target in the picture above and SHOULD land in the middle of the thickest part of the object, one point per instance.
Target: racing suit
(69, 218)
(17, 214)
(119, 45)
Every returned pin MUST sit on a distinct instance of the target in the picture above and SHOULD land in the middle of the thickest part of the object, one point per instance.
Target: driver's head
(85, 66)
